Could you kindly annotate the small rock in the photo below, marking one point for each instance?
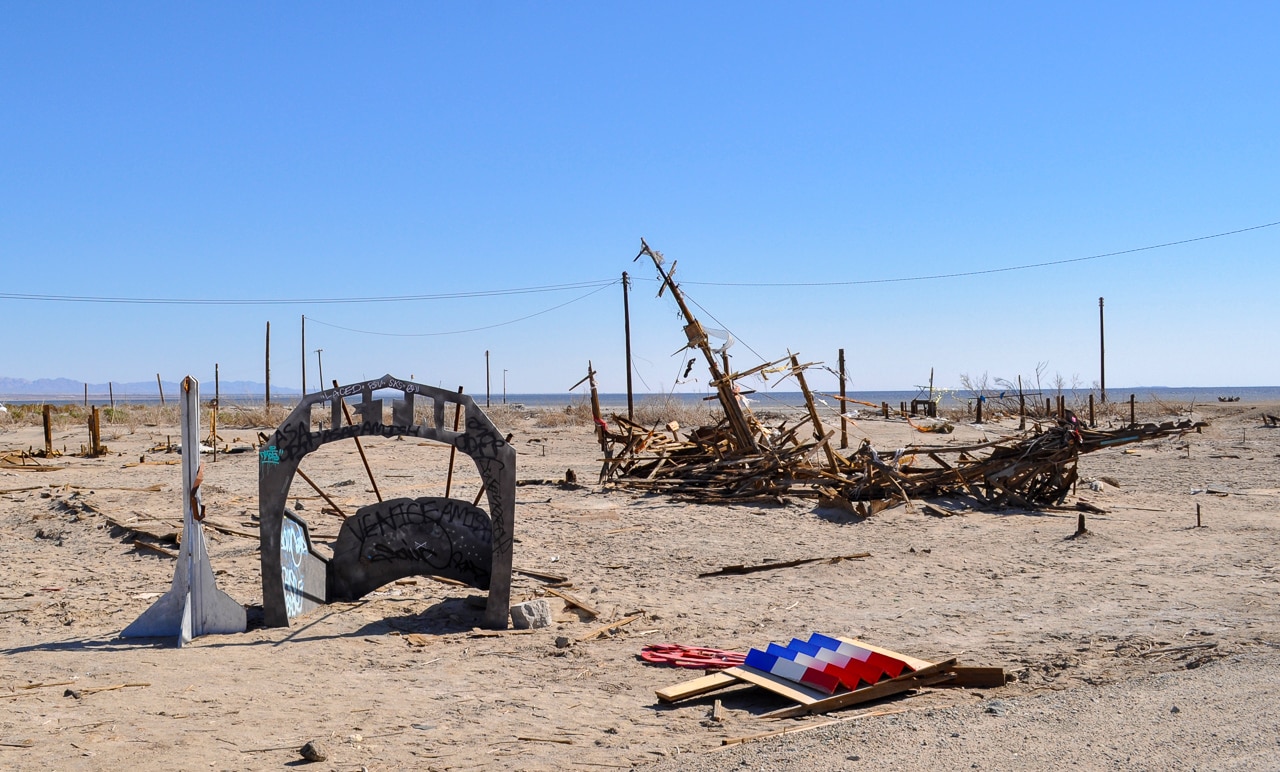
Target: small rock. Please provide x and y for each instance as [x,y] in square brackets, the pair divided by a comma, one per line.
[1174,709]
[996,707]
[313,751]
[562,642]
[531,614]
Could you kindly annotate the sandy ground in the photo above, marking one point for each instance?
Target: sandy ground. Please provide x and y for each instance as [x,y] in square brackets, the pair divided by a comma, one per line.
[1148,644]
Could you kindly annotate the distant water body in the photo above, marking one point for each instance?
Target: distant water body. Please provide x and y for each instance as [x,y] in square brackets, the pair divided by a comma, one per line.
[760,400]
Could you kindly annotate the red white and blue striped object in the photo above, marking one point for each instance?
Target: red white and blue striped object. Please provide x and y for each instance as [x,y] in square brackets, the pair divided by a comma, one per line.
[826,663]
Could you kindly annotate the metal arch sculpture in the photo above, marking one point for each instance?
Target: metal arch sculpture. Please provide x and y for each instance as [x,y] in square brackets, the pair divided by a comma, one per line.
[395,538]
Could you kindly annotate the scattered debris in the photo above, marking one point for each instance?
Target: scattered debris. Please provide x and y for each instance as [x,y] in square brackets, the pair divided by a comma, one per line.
[610,628]
[574,601]
[541,575]
[531,614]
[742,460]
[693,657]
[313,751]
[827,673]
[727,570]
[86,691]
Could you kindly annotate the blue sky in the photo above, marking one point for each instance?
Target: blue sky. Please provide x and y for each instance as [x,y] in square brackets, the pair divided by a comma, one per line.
[293,151]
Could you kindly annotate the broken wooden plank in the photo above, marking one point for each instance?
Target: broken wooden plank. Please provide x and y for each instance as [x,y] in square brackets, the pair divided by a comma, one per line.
[78,693]
[972,677]
[603,629]
[730,741]
[543,575]
[734,570]
[921,678]
[936,511]
[154,548]
[783,687]
[696,687]
[573,601]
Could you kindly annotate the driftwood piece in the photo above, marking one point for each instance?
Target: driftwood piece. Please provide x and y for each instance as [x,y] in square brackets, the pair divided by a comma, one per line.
[730,570]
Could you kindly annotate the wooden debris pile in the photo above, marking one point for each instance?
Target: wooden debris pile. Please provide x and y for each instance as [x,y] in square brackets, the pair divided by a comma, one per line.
[1033,471]
[742,460]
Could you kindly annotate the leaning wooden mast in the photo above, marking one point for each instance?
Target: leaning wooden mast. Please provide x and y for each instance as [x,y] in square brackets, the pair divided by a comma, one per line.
[698,339]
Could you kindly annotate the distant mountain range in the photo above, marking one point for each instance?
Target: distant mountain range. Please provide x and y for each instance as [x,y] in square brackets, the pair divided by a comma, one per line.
[65,387]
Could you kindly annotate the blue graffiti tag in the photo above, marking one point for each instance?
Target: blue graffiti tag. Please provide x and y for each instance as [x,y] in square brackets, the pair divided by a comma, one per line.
[270,455]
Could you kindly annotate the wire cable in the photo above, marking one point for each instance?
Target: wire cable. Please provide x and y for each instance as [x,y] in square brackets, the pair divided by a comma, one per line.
[598,283]
[472,329]
[982,272]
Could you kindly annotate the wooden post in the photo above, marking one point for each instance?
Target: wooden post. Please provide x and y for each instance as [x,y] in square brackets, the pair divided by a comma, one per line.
[486,377]
[304,357]
[844,426]
[268,366]
[453,449]
[111,395]
[626,328]
[902,408]
[1092,423]
[697,337]
[1198,516]
[1062,406]
[1102,354]
[95,436]
[819,433]
[213,428]
[1080,529]
[160,388]
[1022,406]
[1133,419]
[46,413]
[602,432]
[86,395]
[596,417]
[884,408]
[217,385]
[1048,407]
[980,401]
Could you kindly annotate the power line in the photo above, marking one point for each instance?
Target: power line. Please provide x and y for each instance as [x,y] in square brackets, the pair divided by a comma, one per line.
[980,272]
[473,329]
[598,283]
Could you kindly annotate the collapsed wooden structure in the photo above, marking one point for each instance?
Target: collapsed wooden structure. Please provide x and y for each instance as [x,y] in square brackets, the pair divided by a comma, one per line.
[741,459]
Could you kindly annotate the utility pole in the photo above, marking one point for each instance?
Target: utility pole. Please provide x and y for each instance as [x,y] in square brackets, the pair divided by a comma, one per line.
[504,385]
[1102,353]
[844,406]
[320,365]
[268,366]
[626,326]
[304,358]
[486,377]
